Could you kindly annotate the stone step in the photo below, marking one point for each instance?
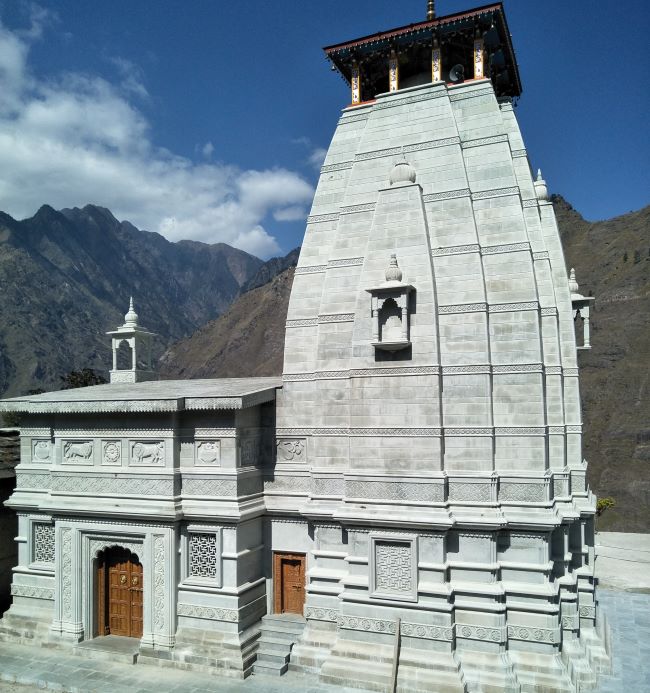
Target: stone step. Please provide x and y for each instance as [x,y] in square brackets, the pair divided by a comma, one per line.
[272,658]
[421,680]
[270,644]
[308,658]
[488,672]
[109,649]
[282,627]
[269,669]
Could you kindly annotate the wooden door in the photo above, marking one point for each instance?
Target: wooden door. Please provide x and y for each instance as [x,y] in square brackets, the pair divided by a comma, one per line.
[119,594]
[289,583]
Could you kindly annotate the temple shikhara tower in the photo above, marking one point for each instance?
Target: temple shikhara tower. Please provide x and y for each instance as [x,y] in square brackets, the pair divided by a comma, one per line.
[407,507]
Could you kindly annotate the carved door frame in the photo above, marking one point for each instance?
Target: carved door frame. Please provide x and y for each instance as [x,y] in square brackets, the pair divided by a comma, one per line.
[278,586]
[103,590]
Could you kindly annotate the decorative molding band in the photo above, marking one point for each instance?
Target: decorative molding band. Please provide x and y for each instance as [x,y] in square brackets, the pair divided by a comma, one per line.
[466,370]
[462,95]
[447,195]
[335,317]
[362,373]
[463,308]
[353,118]
[31,591]
[310,269]
[207,612]
[209,487]
[553,370]
[529,203]
[342,166]
[301,322]
[407,432]
[520,430]
[431,144]
[532,634]
[555,430]
[390,103]
[320,614]
[518,368]
[574,428]
[241,402]
[419,630]
[289,483]
[516,153]
[481,141]
[345,262]
[328,486]
[32,480]
[108,484]
[378,153]
[456,250]
[507,307]
[317,218]
[497,192]
[365,207]
[375,625]
[570,372]
[395,490]
[491,633]
[103,407]
[510,492]
[540,255]
[508,248]
[570,622]
[473,431]
[549,311]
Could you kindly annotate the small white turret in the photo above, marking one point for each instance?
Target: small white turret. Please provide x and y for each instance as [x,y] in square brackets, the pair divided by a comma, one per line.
[138,341]
[540,186]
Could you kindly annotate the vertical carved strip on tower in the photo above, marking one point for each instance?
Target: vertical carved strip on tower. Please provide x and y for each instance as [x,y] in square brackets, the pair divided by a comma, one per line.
[393,72]
[355,84]
[436,62]
[478,59]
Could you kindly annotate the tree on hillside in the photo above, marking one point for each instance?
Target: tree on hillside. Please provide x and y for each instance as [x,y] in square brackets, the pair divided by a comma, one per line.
[82,378]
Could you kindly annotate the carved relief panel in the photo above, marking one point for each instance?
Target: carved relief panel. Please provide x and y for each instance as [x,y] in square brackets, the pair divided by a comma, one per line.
[291,449]
[112,453]
[208,452]
[77,452]
[147,454]
[42,451]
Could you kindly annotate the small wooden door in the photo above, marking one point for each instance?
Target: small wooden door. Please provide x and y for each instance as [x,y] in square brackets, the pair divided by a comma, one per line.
[119,593]
[288,583]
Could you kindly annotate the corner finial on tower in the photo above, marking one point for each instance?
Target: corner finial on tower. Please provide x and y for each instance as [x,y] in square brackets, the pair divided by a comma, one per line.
[431,10]
[393,273]
[573,284]
[540,186]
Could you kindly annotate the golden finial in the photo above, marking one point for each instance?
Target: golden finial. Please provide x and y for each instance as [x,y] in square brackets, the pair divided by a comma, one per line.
[431,10]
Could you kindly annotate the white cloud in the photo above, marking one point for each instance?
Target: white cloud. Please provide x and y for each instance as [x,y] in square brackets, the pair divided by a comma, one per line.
[317,157]
[290,214]
[77,139]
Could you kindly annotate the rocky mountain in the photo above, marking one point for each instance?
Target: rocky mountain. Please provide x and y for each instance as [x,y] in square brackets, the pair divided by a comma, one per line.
[612,262]
[66,278]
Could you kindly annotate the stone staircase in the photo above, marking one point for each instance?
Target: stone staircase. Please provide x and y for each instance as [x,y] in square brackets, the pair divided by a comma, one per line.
[278,634]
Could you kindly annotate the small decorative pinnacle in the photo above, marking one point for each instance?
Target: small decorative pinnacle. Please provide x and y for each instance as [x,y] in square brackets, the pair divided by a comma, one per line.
[540,186]
[539,175]
[402,174]
[573,284]
[431,10]
[131,318]
[393,273]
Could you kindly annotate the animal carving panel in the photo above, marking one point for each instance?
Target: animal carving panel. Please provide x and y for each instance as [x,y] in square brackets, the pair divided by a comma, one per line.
[148,453]
[78,452]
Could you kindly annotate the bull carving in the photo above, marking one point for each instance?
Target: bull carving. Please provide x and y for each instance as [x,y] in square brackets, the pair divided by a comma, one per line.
[148,453]
[77,451]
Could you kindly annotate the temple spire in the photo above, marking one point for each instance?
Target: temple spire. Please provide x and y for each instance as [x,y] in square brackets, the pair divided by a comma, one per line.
[431,10]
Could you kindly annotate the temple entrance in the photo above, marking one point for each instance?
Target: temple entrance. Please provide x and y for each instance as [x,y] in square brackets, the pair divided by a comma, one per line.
[288,583]
[119,593]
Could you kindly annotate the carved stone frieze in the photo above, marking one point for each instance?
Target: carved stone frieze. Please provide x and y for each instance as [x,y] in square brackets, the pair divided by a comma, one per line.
[345,262]
[322,614]
[508,248]
[474,492]
[395,490]
[533,634]
[77,451]
[463,308]
[101,484]
[507,307]
[378,153]
[147,453]
[112,453]
[207,612]
[208,487]
[587,611]
[497,192]
[490,633]
[18,590]
[32,480]
[365,207]
[342,166]
[310,269]
[376,625]
[328,486]
[456,249]
[66,573]
[522,492]
[482,141]
[431,144]
[159,581]
[289,483]
[427,632]
[317,218]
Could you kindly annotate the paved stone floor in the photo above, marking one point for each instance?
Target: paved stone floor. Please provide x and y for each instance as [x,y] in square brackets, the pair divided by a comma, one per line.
[23,670]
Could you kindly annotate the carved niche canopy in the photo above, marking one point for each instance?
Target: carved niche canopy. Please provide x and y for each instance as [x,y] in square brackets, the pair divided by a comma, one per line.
[391,310]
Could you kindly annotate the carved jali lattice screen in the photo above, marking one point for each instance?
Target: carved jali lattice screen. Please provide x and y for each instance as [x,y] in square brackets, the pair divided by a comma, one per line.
[393,567]
[203,555]
[44,543]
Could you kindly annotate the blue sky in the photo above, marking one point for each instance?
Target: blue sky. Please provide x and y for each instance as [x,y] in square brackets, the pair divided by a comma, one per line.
[208,119]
